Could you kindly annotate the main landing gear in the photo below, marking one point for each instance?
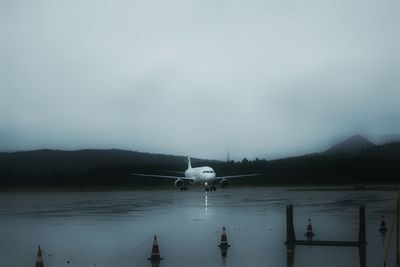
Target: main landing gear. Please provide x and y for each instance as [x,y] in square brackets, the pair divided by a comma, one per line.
[184,188]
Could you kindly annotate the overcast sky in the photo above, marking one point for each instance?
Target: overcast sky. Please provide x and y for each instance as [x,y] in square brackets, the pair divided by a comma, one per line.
[264,78]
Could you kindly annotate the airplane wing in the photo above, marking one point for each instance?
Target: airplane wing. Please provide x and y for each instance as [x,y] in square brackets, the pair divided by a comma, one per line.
[176,172]
[236,176]
[162,176]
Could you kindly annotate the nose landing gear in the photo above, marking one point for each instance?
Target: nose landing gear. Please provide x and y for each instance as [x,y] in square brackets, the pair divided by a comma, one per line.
[210,188]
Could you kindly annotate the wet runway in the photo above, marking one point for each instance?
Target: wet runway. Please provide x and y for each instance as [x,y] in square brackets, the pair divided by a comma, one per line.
[116,228]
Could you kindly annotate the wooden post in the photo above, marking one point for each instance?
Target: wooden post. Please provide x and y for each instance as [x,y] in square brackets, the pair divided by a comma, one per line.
[290,255]
[397,234]
[290,234]
[362,253]
[361,233]
[362,237]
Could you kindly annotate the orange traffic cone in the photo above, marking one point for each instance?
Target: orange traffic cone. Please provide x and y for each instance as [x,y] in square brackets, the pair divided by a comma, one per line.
[155,252]
[39,261]
[309,234]
[224,240]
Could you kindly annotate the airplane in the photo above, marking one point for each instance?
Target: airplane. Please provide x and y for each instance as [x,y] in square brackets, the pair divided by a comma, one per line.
[203,175]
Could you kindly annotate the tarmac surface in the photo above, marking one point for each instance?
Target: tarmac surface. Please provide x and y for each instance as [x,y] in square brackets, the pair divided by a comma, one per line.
[116,228]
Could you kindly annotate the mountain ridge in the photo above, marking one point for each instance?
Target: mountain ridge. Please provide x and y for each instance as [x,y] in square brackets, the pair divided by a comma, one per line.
[376,164]
[351,145]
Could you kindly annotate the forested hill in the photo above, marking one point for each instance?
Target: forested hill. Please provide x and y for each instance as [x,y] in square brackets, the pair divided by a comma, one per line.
[376,164]
[89,166]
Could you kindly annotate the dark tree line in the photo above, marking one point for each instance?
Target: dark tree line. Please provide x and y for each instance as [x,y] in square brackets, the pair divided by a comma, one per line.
[380,164]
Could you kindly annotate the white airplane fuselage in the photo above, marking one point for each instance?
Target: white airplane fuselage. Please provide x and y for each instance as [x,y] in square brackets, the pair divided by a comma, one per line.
[204,175]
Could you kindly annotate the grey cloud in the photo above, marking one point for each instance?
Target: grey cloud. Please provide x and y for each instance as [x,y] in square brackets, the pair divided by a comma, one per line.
[267,78]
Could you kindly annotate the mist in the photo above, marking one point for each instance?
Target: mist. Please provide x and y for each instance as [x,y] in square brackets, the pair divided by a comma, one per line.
[260,78]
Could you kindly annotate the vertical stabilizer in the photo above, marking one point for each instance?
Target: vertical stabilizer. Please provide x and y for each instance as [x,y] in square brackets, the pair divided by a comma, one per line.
[189,163]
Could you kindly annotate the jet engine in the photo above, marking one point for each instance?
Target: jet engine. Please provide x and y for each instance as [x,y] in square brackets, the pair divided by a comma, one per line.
[224,183]
[179,183]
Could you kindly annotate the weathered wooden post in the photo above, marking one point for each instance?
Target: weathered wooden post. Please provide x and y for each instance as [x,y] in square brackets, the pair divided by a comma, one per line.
[361,233]
[290,234]
[397,233]
[362,253]
[362,237]
[290,256]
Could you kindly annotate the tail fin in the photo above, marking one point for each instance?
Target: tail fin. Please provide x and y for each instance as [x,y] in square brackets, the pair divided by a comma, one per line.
[189,163]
